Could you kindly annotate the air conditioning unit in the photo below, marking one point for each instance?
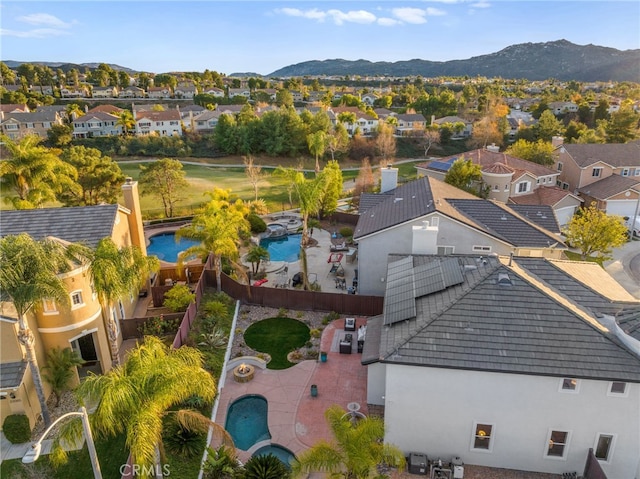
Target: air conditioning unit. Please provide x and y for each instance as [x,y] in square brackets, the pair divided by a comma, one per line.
[418,463]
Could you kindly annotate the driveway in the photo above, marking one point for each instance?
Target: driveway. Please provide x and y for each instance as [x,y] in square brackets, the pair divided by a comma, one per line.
[625,267]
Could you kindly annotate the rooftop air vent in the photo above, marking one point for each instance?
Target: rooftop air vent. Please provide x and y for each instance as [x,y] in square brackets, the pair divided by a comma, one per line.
[504,280]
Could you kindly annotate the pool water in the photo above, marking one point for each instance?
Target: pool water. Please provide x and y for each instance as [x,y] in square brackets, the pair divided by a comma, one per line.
[282,453]
[166,247]
[247,421]
[285,248]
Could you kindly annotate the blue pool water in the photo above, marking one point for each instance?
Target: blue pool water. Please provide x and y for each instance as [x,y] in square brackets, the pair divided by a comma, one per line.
[247,421]
[166,247]
[281,452]
[285,248]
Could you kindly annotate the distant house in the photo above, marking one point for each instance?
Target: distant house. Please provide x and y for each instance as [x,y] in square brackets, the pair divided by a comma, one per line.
[368,98]
[510,362]
[243,92]
[69,92]
[185,90]
[298,96]
[104,92]
[18,125]
[96,124]
[428,216]
[12,108]
[562,107]
[188,111]
[206,121]
[217,92]
[410,122]
[510,179]
[607,175]
[159,93]
[365,123]
[132,92]
[106,108]
[161,123]
[465,132]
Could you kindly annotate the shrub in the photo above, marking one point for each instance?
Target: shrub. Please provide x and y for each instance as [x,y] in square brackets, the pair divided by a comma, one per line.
[181,441]
[257,224]
[315,333]
[159,326]
[216,339]
[215,308]
[346,232]
[178,298]
[16,428]
[282,313]
[60,369]
[266,467]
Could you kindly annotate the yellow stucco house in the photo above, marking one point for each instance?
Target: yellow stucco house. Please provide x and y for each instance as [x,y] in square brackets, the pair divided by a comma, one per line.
[79,324]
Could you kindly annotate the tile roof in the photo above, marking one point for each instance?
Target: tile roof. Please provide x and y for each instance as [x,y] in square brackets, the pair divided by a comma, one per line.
[9,107]
[542,215]
[543,195]
[82,224]
[99,115]
[526,326]
[11,374]
[484,157]
[504,225]
[614,154]
[610,186]
[114,110]
[37,116]
[166,115]
[498,169]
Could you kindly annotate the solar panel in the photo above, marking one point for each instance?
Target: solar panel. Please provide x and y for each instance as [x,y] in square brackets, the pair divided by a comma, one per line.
[440,165]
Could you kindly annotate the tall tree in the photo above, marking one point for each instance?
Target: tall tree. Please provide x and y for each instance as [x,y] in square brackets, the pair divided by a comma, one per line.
[153,383]
[218,228]
[7,75]
[29,275]
[126,121]
[355,452]
[33,173]
[333,188]
[254,174]
[385,143]
[464,174]
[117,272]
[317,145]
[60,368]
[593,231]
[623,125]
[338,140]
[99,177]
[540,152]
[548,126]
[166,180]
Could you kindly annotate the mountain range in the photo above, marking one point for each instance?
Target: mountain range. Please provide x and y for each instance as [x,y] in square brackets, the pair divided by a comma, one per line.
[560,59]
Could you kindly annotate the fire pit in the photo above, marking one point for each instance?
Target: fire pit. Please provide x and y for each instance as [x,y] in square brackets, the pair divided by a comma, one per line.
[243,373]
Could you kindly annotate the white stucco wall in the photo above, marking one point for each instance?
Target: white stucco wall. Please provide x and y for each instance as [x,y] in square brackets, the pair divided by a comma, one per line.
[376,384]
[432,411]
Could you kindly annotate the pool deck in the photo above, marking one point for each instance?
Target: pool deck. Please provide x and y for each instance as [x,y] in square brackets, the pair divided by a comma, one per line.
[296,419]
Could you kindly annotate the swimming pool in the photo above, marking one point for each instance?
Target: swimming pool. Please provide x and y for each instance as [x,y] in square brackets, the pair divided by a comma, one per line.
[285,248]
[281,452]
[247,421]
[166,247]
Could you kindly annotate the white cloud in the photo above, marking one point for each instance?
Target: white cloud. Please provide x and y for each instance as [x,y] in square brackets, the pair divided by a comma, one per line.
[353,16]
[388,22]
[481,4]
[435,12]
[44,19]
[313,14]
[35,33]
[410,15]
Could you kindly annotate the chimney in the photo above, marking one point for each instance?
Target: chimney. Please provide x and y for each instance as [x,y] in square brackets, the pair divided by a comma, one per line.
[556,141]
[132,202]
[493,148]
[389,179]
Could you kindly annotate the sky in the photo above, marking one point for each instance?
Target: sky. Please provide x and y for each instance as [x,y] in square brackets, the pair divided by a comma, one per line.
[263,36]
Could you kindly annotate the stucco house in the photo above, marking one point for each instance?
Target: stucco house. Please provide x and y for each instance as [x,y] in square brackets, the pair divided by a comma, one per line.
[507,362]
[80,324]
[409,123]
[465,132]
[96,124]
[512,180]
[104,92]
[159,92]
[432,217]
[185,90]
[132,92]
[161,123]
[589,169]
[18,125]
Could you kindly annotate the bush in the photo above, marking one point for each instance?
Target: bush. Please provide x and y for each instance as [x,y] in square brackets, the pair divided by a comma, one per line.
[257,224]
[159,326]
[183,442]
[346,232]
[178,298]
[16,428]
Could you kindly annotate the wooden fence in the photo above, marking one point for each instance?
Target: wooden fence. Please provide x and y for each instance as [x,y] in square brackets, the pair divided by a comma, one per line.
[593,469]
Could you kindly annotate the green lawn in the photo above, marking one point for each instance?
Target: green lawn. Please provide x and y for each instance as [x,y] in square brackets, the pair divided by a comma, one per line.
[277,337]
[112,454]
[578,257]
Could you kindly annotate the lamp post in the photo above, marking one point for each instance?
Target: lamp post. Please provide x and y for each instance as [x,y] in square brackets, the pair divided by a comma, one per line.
[33,454]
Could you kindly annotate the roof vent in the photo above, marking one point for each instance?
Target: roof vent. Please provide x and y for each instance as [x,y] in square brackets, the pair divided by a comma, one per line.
[503,217]
[395,200]
[504,280]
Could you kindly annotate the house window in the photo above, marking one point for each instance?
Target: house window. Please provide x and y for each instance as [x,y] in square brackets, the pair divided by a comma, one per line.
[30,125]
[482,435]
[625,172]
[604,447]
[559,166]
[569,385]
[49,306]
[596,172]
[506,187]
[11,127]
[496,188]
[121,307]
[565,186]
[76,299]
[481,249]
[445,250]
[637,171]
[617,388]
[557,444]
[523,186]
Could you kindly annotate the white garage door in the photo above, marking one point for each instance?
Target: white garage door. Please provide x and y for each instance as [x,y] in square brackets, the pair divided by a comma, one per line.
[621,207]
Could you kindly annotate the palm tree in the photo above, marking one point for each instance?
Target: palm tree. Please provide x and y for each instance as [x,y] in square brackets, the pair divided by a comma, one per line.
[221,463]
[317,143]
[266,467]
[33,173]
[135,397]
[29,274]
[60,368]
[310,194]
[355,452]
[116,272]
[218,228]
[73,111]
[126,121]
[255,257]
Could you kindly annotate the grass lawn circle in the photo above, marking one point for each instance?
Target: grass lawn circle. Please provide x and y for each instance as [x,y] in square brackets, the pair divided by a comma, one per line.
[277,337]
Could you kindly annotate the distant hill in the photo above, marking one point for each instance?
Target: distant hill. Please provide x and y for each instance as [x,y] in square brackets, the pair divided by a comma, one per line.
[65,67]
[560,59]
[245,75]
